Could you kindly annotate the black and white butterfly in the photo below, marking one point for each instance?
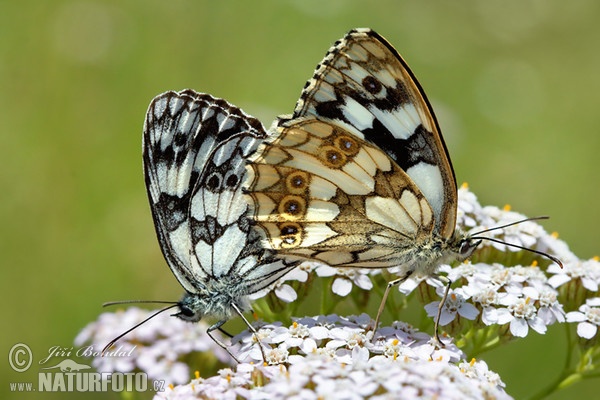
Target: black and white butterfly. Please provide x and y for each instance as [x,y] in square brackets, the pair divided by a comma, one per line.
[194,151]
[359,175]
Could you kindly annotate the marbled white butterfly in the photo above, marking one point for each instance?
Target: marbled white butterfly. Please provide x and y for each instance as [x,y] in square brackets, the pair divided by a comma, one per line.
[359,175]
[194,152]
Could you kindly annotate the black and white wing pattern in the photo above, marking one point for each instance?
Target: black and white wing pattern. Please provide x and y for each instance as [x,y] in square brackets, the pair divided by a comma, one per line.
[194,151]
[359,176]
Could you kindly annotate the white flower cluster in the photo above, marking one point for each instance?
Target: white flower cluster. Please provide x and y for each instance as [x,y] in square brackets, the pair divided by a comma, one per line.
[336,337]
[159,345]
[328,356]
[318,377]
[520,296]
[312,358]
[331,357]
[584,274]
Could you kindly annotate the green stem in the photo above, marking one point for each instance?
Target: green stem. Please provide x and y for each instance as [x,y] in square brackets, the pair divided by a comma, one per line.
[328,299]
[591,375]
[324,296]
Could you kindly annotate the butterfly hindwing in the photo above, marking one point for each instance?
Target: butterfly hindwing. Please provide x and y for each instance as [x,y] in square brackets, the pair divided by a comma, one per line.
[194,161]
[322,193]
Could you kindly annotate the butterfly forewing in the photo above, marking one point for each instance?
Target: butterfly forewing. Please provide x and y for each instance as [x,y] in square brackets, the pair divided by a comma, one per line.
[365,86]
[194,162]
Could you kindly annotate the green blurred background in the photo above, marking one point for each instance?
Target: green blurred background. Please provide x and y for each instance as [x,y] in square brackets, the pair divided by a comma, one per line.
[515,85]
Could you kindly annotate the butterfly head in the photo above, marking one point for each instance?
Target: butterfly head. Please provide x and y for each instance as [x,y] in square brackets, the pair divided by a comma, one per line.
[464,246]
[220,303]
[191,308]
[458,247]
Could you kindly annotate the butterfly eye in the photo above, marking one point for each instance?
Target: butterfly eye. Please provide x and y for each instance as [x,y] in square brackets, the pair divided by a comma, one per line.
[466,247]
[187,312]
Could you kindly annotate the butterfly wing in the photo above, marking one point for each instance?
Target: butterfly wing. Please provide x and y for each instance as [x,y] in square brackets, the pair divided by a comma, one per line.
[193,150]
[359,175]
[322,193]
[365,86]
[225,244]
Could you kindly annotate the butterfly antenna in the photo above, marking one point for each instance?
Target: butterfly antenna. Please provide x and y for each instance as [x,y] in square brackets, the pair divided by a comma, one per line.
[548,256]
[115,340]
[511,224]
[114,303]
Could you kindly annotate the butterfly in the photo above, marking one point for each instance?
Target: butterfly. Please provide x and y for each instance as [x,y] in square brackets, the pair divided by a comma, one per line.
[359,175]
[195,148]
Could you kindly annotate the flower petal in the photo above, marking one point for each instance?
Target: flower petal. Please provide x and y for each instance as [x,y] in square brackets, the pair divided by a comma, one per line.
[519,327]
[341,287]
[586,330]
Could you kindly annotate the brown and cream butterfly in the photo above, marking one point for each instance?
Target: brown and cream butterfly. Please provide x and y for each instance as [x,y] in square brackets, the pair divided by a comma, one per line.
[359,175]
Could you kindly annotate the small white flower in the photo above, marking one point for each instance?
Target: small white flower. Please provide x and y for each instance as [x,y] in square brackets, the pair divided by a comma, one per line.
[524,317]
[298,335]
[486,297]
[550,309]
[395,349]
[345,277]
[464,270]
[470,213]
[521,274]
[277,356]
[247,344]
[500,275]
[454,305]
[479,369]
[588,317]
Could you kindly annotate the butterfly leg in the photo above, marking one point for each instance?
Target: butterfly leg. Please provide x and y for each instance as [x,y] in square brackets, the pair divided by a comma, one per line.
[389,286]
[254,332]
[217,341]
[436,325]
[224,332]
